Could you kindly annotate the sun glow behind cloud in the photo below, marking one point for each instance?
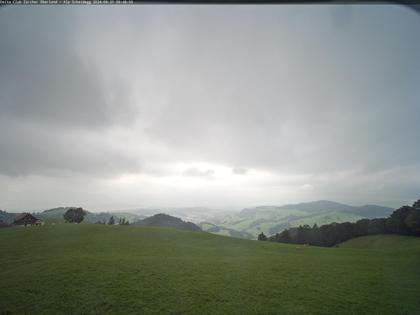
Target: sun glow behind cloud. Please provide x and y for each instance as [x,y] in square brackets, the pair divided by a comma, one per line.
[218,183]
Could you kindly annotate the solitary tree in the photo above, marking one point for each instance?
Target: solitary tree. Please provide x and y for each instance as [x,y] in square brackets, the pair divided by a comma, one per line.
[111,221]
[74,215]
[262,237]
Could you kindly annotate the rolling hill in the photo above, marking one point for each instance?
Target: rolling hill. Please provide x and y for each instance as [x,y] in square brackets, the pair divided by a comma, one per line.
[274,219]
[101,269]
[165,220]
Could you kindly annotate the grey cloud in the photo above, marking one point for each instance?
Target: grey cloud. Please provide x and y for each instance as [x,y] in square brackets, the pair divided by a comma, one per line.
[295,102]
[239,170]
[280,89]
[33,149]
[195,172]
[44,78]
[50,94]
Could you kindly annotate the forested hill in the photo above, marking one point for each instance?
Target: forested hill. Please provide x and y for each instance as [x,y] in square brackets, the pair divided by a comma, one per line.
[403,221]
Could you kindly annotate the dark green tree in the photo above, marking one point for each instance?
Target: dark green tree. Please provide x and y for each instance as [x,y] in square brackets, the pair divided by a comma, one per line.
[283,237]
[378,226]
[396,221]
[412,222]
[361,227]
[416,205]
[74,215]
[303,234]
[111,221]
[123,221]
[262,237]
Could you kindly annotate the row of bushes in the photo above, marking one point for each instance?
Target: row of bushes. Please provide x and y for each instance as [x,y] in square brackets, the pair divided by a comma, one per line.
[404,221]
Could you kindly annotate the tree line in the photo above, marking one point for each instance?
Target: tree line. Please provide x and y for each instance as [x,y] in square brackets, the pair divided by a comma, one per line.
[77,215]
[403,221]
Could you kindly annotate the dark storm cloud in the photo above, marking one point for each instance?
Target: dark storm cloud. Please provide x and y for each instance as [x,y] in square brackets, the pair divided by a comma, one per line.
[49,93]
[45,78]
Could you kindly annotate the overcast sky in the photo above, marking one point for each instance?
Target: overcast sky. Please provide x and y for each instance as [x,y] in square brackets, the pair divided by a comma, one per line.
[218,106]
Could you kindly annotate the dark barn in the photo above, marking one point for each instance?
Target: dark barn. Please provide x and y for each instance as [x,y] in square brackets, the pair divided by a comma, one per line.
[26,219]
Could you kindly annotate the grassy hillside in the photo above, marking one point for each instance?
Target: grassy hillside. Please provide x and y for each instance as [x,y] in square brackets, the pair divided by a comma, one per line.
[98,269]
[384,242]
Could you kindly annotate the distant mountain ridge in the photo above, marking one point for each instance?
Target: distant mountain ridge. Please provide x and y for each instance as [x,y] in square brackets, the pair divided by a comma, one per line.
[165,220]
[368,211]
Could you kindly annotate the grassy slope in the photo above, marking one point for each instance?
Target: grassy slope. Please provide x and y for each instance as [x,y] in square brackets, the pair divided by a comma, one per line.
[96,269]
[218,230]
[384,242]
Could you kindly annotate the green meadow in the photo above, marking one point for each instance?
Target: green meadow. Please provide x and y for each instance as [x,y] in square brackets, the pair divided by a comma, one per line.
[100,269]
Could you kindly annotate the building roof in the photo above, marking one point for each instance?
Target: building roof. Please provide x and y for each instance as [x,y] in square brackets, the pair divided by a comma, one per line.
[25,216]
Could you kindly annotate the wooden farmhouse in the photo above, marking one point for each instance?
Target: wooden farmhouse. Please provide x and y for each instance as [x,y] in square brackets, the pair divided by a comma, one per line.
[26,219]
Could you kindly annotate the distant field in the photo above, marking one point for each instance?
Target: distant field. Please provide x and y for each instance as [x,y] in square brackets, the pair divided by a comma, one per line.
[99,269]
